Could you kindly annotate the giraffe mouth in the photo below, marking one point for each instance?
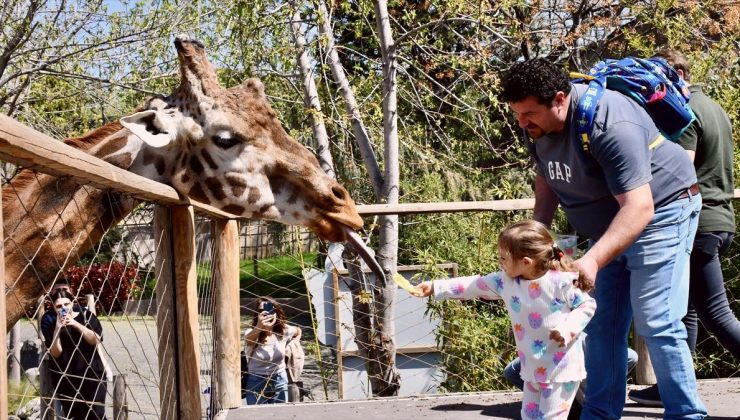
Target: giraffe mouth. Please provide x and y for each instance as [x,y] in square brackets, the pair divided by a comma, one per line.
[364,252]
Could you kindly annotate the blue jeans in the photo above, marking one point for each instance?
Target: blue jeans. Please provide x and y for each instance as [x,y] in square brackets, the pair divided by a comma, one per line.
[511,371]
[267,389]
[649,281]
[707,295]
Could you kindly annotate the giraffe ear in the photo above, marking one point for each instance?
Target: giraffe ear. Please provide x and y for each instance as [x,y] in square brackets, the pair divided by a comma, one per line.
[155,128]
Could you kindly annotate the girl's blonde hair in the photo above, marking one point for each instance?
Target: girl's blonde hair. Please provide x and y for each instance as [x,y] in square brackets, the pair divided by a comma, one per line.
[529,238]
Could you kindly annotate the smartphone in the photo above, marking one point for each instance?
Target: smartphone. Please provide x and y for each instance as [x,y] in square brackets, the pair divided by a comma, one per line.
[269,308]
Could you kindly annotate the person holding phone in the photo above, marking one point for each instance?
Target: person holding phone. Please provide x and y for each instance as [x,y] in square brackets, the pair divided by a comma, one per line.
[265,343]
[76,368]
[49,319]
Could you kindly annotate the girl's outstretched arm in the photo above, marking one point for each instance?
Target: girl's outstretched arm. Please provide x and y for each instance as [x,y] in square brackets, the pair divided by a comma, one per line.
[470,287]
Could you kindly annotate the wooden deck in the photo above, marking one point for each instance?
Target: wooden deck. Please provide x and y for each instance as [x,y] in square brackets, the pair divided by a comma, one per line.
[722,398]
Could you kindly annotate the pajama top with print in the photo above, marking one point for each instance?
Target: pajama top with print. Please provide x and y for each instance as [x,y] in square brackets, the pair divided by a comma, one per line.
[535,307]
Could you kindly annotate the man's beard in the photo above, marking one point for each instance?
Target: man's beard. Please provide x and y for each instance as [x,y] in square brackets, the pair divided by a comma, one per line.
[539,133]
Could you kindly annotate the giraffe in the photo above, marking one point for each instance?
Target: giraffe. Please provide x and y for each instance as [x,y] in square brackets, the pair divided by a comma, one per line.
[220,146]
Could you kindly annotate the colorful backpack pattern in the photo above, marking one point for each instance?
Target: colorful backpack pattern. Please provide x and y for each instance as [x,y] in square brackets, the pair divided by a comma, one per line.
[652,83]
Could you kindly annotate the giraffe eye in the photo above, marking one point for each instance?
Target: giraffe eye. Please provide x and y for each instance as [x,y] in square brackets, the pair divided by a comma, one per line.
[225,140]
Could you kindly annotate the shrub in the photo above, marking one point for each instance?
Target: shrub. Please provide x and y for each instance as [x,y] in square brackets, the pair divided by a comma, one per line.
[476,344]
[112,283]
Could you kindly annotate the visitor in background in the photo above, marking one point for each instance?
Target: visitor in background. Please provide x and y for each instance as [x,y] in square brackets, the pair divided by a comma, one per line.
[76,368]
[265,344]
[708,142]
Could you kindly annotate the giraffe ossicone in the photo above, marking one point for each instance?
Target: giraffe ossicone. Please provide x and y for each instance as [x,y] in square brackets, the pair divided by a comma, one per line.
[221,146]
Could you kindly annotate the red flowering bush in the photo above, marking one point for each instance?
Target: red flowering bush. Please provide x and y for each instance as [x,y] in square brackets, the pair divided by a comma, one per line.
[112,284]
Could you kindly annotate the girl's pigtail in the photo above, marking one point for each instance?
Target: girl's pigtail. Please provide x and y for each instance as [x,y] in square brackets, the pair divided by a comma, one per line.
[557,253]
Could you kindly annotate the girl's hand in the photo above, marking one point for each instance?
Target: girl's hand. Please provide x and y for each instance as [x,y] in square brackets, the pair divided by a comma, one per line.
[424,289]
[557,337]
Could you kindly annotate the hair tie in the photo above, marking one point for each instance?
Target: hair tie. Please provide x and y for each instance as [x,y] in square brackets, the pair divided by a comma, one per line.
[557,254]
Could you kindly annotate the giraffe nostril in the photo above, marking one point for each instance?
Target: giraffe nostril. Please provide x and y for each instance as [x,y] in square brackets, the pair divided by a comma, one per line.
[339,192]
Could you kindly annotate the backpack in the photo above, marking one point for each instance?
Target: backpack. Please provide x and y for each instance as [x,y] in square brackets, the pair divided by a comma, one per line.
[652,83]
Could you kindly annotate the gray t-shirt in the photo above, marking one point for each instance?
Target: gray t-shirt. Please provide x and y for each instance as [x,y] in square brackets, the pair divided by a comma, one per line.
[619,161]
[269,358]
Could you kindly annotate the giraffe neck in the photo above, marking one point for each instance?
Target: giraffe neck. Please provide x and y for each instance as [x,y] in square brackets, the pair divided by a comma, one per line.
[50,222]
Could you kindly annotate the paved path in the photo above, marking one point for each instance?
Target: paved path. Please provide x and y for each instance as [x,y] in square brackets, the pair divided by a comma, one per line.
[131,349]
[721,396]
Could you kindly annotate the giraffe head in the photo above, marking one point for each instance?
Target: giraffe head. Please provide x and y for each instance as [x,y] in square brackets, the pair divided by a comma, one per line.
[226,147]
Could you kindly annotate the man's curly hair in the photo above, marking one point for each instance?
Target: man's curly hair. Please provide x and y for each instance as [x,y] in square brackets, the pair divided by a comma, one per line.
[536,77]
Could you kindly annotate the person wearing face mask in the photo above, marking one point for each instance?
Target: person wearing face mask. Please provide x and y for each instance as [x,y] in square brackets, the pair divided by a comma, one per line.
[265,344]
[77,370]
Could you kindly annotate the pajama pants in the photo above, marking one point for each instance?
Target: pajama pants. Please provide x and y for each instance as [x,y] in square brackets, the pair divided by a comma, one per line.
[548,400]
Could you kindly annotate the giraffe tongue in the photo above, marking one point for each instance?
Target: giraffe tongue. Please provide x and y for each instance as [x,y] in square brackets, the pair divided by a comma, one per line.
[364,253]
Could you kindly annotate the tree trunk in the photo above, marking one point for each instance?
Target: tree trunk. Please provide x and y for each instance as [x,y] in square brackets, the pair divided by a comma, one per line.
[340,78]
[375,324]
[362,316]
[388,383]
[311,95]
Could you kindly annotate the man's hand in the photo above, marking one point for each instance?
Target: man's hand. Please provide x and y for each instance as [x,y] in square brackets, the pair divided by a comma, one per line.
[588,267]
[557,337]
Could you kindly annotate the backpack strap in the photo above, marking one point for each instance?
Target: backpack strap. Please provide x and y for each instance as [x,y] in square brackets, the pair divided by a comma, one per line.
[586,109]
[620,74]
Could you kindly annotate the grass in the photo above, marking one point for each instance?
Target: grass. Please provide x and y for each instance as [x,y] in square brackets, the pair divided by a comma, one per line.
[280,276]
[20,393]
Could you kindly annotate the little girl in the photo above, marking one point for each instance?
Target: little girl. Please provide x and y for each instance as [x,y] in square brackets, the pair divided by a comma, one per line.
[548,306]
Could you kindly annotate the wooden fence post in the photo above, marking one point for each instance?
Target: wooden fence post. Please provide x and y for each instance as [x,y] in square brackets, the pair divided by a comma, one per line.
[177,299]
[3,352]
[120,405]
[14,374]
[165,294]
[644,374]
[227,392]
[186,311]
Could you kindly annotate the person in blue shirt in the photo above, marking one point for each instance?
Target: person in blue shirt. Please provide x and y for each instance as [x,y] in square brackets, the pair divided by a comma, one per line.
[634,195]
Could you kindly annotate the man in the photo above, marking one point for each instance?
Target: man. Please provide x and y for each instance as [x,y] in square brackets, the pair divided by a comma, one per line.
[634,196]
[708,142]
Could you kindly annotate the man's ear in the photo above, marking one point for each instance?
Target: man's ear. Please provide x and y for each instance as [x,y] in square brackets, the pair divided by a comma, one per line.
[559,98]
[156,128]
